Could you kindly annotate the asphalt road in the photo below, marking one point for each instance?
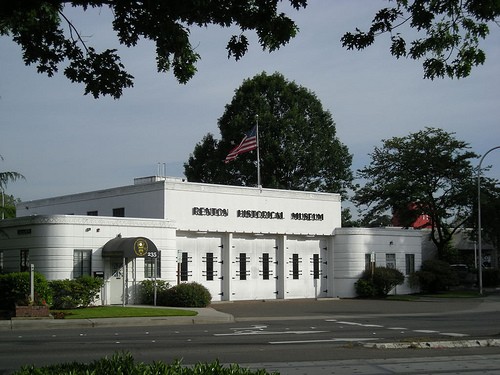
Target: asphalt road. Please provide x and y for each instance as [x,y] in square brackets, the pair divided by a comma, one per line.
[293,337]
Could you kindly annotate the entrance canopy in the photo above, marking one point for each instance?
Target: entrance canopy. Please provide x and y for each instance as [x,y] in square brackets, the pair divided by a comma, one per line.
[131,247]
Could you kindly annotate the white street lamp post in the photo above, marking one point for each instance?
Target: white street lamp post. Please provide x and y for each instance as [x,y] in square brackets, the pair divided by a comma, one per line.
[480,256]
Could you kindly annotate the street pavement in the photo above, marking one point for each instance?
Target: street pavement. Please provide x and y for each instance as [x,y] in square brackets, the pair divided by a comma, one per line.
[246,311]
[239,311]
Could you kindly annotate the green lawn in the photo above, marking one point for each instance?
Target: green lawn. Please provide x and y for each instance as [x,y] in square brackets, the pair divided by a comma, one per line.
[119,312]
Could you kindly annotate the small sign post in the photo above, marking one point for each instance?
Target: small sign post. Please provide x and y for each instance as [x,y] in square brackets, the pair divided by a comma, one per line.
[32,283]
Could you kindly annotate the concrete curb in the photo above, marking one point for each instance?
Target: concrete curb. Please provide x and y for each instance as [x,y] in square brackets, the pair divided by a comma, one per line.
[205,316]
[435,344]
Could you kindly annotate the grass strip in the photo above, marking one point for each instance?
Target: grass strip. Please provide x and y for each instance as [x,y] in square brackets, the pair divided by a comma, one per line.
[120,312]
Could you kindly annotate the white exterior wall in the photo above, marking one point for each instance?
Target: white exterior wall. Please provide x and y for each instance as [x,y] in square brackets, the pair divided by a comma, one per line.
[222,230]
[351,245]
[182,198]
[51,241]
[139,201]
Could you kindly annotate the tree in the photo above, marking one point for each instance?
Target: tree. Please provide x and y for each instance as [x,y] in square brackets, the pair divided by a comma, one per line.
[425,173]
[7,201]
[446,33]
[297,138]
[48,38]
[452,30]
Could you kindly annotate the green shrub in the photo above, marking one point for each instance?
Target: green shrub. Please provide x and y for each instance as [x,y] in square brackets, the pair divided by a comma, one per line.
[123,363]
[80,292]
[15,289]
[187,295]
[146,291]
[436,276]
[364,288]
[380,283]
[491,277]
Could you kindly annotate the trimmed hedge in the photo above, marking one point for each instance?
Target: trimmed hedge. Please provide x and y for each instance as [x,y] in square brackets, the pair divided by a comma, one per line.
[380,283]
[147,290]
[187,295]
[80,292]
[435,276]
[15,290]
[123,363]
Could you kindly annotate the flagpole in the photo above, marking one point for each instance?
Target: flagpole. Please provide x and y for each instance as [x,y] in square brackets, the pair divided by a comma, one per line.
[258,154]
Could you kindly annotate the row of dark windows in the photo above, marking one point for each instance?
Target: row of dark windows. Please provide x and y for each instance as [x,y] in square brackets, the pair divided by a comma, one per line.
[265,272]
[390,262]
[82,264]
[117,212]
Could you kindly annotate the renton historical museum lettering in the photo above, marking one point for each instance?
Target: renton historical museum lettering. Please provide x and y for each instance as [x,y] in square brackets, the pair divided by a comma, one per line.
[257,214]
[205,211]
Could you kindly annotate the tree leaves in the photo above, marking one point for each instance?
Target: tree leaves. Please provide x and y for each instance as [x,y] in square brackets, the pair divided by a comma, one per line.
[425,173]
[298,145]
[448,33]
[49,40]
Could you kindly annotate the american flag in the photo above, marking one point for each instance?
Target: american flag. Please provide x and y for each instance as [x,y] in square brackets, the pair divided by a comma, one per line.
[248,143]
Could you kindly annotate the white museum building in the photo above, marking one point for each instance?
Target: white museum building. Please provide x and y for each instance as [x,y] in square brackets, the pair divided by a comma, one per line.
[242,243]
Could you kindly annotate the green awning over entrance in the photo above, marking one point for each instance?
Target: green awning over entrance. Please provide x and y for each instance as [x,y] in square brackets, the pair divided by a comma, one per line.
[131,247]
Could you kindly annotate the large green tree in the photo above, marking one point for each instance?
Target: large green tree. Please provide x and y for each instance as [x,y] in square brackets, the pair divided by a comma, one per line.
[298,145]
[7,201]
[446,34]
[425,173]
[49,39]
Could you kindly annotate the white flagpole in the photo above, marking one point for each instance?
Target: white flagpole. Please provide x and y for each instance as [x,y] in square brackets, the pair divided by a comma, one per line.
[258,154]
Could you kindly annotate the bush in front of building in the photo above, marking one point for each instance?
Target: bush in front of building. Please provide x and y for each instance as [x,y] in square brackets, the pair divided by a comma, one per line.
[378,284]
[124,363]
[147,291]
[15,290]
[491,277]
[187,295]
[434,276]
[71,294]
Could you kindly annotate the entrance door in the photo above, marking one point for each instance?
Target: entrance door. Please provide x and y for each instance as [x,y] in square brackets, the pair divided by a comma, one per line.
[116,282]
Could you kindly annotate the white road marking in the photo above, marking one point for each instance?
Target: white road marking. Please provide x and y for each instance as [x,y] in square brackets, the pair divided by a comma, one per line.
[454,334]
[425,331]
[243,333]
[318,341]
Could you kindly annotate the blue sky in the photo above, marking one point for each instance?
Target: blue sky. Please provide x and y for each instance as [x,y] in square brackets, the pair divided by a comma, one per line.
[65,142]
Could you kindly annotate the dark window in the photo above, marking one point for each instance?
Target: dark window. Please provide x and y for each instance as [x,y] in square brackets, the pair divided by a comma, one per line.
[1,261]
[316,271]
[24,264]
[243,266]
[390,261]
[410,263]
[265,266]
[152,267]
[91,213]
[295,266]
[184,267]
[82,263]
[368,260]
[119,212]
[210,266]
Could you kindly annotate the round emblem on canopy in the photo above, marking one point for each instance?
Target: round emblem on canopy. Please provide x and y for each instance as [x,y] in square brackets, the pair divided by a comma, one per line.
[140,247]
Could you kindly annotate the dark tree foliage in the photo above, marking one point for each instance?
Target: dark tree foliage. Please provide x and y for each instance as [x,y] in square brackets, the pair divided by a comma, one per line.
[445,34]
[424,173]
[490,212]
[298,145]
[48,39]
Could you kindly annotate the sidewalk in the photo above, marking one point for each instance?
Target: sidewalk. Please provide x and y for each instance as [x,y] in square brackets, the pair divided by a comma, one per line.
[240,311]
